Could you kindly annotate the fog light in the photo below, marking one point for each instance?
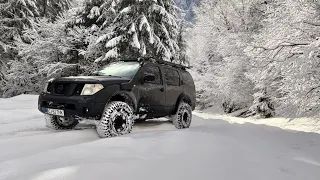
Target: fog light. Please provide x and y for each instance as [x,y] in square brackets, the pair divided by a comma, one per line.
[86,110]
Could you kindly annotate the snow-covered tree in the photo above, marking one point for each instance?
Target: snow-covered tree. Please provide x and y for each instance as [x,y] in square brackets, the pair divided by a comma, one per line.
[188,7]
[54,51]
[301,83]
[140,28]
[216,48]
[15,16]
[276,50]
[88,14]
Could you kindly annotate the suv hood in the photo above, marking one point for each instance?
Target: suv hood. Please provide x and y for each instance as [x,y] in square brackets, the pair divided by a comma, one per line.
[93,79]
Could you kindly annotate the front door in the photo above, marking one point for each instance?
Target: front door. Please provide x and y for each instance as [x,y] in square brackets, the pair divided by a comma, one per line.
[151,93]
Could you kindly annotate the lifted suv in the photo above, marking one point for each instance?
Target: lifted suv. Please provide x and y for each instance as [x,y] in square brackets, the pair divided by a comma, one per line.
[119,94]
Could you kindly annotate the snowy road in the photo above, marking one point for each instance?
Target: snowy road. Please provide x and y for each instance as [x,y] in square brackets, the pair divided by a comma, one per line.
[210,149]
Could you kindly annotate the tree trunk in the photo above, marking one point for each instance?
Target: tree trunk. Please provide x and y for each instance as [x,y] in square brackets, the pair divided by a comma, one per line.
[44,8]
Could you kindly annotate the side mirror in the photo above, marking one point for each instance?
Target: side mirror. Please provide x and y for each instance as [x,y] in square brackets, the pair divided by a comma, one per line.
[149,77]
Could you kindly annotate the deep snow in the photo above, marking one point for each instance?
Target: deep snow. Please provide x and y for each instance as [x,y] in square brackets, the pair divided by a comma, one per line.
[210,149]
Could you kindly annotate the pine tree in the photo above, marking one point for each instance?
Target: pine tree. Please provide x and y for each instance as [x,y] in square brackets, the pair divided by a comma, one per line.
[140,28]
[54,51]
[88,14]
[15,16]
[51,9]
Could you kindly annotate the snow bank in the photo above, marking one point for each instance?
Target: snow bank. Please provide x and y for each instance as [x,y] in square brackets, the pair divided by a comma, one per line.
[300,124]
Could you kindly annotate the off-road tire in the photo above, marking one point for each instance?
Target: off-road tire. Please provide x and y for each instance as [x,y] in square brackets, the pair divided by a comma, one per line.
[53,122]
[115,113]
[183,117]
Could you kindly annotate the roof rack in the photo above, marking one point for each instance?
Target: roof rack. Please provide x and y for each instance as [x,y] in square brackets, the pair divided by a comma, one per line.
[175,65]
[152,59]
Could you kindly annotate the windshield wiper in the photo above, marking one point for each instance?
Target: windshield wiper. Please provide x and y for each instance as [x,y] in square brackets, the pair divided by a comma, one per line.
[99,74]
[114,76]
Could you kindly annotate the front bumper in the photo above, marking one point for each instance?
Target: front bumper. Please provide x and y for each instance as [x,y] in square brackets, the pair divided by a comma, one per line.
[73,106]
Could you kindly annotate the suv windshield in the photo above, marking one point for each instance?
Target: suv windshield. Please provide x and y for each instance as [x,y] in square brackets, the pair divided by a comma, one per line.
[120,69]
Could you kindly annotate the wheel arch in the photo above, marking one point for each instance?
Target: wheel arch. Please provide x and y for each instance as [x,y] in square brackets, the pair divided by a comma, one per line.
[185,98]
[125,96]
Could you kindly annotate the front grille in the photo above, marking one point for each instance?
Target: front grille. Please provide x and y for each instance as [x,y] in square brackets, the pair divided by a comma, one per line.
[61,88]
[58,105]
[78,89]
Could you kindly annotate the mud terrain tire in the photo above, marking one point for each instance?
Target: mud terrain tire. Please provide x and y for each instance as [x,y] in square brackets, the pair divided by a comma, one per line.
[116,120]
[60,123]
[183,117]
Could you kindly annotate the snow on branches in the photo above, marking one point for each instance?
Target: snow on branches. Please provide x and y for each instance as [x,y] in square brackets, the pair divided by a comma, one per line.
[140,28]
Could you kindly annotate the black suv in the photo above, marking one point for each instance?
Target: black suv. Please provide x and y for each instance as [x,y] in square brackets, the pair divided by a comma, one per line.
[120,94]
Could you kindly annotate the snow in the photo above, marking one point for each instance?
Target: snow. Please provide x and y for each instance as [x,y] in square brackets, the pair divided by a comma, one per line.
[114,42]
[110,54]
[102,38]
[94,12]
[144,21]
[126,10]
[298,124]
[135,41]
[209,149]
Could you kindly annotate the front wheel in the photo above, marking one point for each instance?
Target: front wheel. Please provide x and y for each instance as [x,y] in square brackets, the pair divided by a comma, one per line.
[60,123]
[182,118]
[117,119]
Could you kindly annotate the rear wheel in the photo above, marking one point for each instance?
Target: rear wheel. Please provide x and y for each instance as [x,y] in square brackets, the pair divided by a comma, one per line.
[183,117]
[117,119]
[61,123]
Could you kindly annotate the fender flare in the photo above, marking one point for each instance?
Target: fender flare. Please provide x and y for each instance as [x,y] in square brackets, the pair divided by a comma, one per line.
[128,97]
[183,97]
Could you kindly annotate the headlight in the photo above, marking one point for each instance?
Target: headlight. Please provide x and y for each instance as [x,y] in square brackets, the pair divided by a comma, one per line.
[90,89]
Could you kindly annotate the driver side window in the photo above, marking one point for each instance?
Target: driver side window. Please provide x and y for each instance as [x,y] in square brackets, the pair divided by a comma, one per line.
[155,71]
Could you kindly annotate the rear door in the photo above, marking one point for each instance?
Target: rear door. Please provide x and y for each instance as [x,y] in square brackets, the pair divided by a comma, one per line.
[173,87]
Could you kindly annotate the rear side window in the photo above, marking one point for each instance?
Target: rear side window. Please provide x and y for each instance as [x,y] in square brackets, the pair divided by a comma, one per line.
[156,71]
[187,79]
[172,77]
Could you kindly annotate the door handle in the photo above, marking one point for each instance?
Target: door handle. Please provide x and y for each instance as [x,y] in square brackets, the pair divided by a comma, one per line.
[161,89]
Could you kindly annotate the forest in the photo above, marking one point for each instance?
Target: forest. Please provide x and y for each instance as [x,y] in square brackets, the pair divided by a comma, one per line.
[262,56]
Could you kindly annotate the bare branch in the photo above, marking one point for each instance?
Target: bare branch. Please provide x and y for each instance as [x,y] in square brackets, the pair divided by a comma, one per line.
[312,90]
[283,44]
[278,51]
[312,23]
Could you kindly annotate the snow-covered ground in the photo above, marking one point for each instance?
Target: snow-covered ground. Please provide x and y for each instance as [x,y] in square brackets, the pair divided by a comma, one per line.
[210,149]
[298,124]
